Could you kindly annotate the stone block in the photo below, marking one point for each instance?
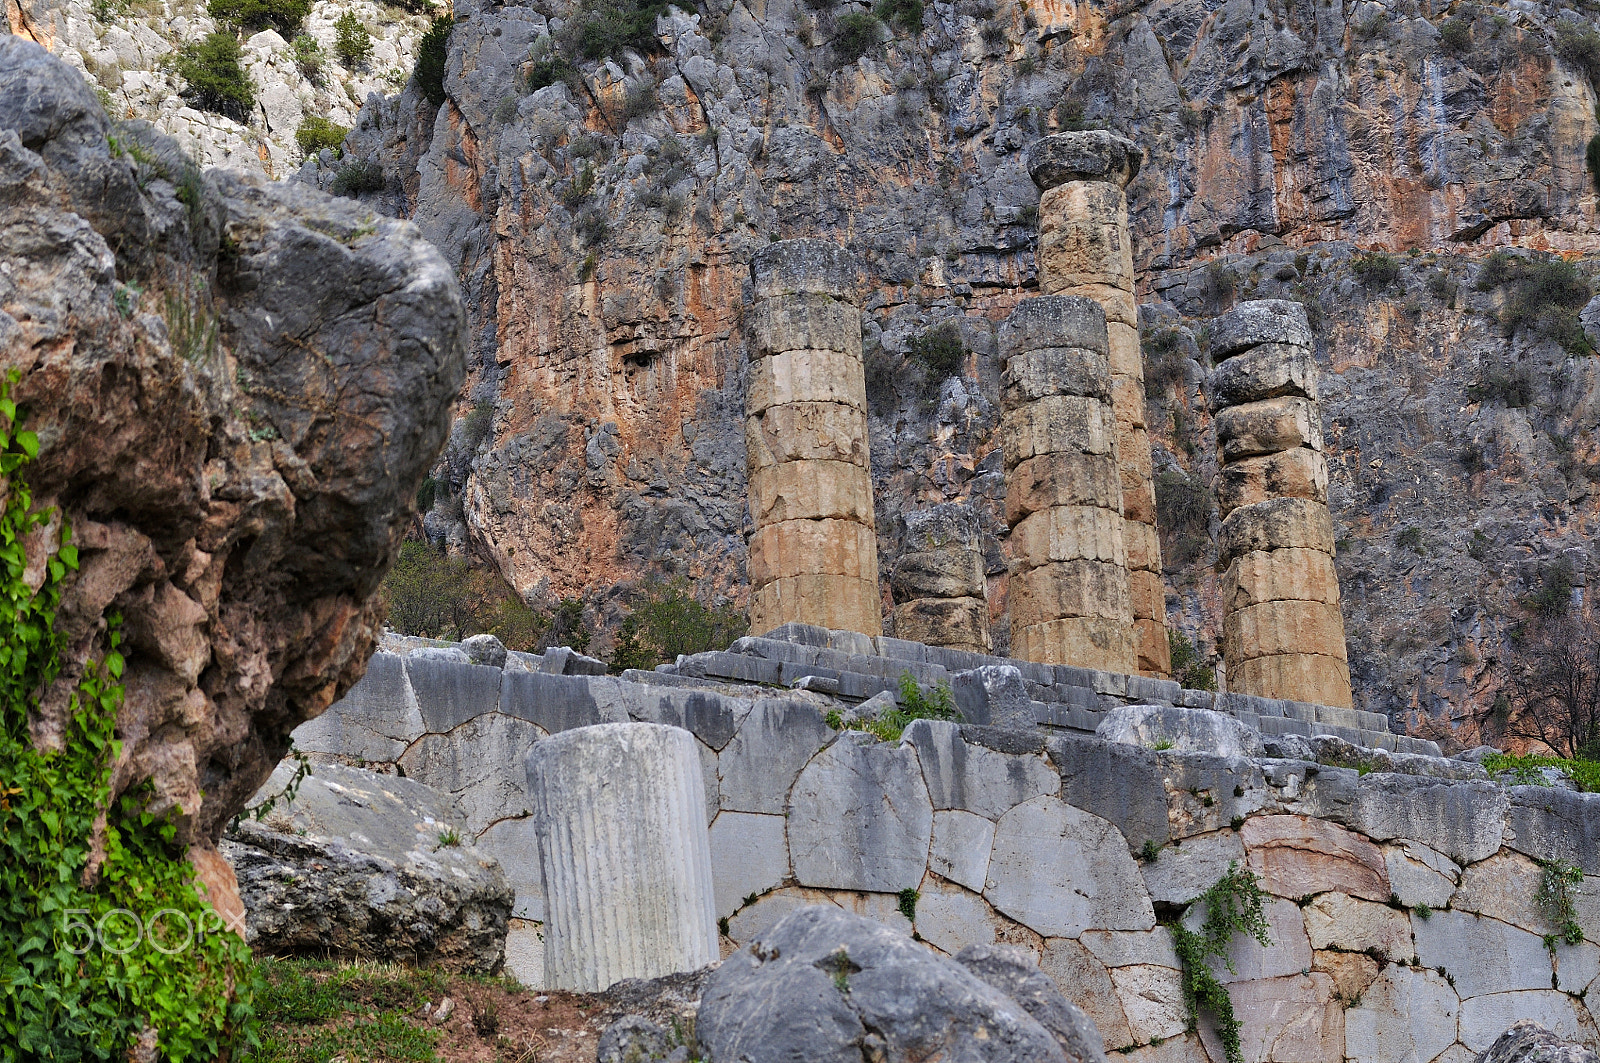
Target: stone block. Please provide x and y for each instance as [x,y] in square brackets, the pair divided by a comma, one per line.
[1082,155]
[743,667]
[807,431]
[1087,642]
[1419,875]
[525,953]
[1049,480]
[1179,875]
[1148,691]
[755,919]
[971,777]
[1504,887]
[954,660]
[1293,1018]
[1268,426]
[759,765]
[1294,523]
[1275,628]
[795,548]
[796,322]
[514,843]
[1259,321]
[1069,424]
[836,601]
[1263,372]
[1041,372]
[1085,981]
[1127,405]
[950,918]
[1059,871]
[1577,966]
[1262,576]
[1052,321]
[1288,951]
[993,695]
[1118,303]
[811,490]
[805,376]
[1129,948]
[1081,250]
[375,721]
[1554,824]
[749,854]
[1484,1019]
[951,572]
[859,817]
[900,649]
[1138,486]
[1335,921]
[476,763]
[1122,784]
[1144,548]
[1069,589]
[619,813]
[1152,1000]
[961,844]
[1076,202]
[962,623]
[1307,676]
[1183,730]
[1464,818]
[1298,855]
[1073,534]
[449,694]
[1481,955]
[791,267]
[1297,473]
[1126,354]
[1151,648]
[561,702]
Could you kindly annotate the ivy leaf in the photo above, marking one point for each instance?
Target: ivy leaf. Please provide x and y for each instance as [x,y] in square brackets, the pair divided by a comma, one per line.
[29,443]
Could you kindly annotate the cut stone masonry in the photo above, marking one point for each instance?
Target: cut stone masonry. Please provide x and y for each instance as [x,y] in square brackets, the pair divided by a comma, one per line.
[938,583]
[814,551]
[1085,249]
[1282,630]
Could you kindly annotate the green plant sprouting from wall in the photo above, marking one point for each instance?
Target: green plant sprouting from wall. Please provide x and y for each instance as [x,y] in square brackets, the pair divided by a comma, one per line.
[1557,888]
[1524,770]
[1233,905]
[102,932]
[936,703]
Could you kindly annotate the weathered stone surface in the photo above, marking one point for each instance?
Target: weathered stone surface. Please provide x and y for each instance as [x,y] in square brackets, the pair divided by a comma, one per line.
[1298,855]
[1352,972]
[1181,874]
[1048,480]
[772,744]
[1185,730]
[471,763]
[1259,321]
[514,843]
[1463,819]
[1577,966]
[950,918]
[1307,677]
[1084,642]
[1335,921]
[1055,590]
[840,602]
[993,695]
[810,490]
[1122,784]
[1016,974]
[961,845]
[1131,948]
[806,375]
[374,721]
[755,919]
[1068,424]
[362,865]
[807,431]
[1288,951]
[1556,824]
[1059,871]
[791,267]
[619,812]
[1483,1020]
[1275,575]
[794,548]
[1263,372]
[1267,427]
[1152,999]
[1083,155]
[859,817]
[449,694]
[1079,248]
[1053,321]
[1290,1018]
[1085,980]
[1044,371]
[968,776]
[1283,627]
[749,854]
[1299,473]
[1419,875]
[792,322]
[1070,533]
[1481,955]
[957,623]
[953,572]
[812,987]
[1503,887]
[1525,1041]
[1293,523]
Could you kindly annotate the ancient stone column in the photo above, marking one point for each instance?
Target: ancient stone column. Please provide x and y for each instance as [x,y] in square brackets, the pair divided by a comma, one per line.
[1084,249]
[814,551]
[1282,632]
[938,584]
[1067,593]
[620,817]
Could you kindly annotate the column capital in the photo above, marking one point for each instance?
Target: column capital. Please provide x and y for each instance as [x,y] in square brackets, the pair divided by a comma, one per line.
[1083,155]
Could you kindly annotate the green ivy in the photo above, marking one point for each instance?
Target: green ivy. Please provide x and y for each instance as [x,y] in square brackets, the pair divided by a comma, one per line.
[1556,889]
[1525,770]
[76,981]
[1233,905]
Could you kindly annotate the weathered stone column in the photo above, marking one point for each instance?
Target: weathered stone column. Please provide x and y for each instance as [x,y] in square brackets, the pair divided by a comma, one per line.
[620,816]
[939,588]
[1068,589]
[1282,632]
[1085,249]
[814,552]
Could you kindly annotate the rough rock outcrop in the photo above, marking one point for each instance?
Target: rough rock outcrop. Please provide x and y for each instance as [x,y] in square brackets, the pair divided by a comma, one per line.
[828,986]
[237,388]
[1528,1042]
[1282,630]
[938,582]
[368,867]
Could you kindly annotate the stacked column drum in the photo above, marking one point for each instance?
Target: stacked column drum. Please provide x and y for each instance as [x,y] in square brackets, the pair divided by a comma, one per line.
[1085,249]
[814,551]
[1282,631]
[1068,596]
[938,582]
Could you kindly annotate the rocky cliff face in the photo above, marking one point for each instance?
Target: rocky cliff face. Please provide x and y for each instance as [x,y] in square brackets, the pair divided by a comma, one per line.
[237,387]
[602,230]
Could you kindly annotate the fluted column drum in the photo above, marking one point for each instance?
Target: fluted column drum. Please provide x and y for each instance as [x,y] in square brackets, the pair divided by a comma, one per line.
[620,818]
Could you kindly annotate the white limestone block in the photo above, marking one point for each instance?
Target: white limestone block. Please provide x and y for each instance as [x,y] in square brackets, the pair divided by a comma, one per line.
[748,855]
[1406,1016]
[860,818]
[961,845]
[1481,955]
[1420,875]
[1182,872]
[1485,1018]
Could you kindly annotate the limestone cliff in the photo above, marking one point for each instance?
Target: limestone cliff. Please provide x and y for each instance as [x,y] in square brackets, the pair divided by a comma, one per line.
[603,228]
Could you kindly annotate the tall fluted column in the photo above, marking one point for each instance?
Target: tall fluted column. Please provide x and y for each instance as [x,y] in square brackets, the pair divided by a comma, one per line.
[1282,631]
[620,817]
[1068,589]
[1085,249]
[938,583]
[814,552]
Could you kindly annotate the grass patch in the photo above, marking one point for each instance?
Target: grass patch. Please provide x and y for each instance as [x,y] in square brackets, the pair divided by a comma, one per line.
[1524,769]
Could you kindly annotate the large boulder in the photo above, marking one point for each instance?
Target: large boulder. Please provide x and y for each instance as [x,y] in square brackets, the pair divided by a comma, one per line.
[238,387]
[1528,1042]
[368,867]
[826,986]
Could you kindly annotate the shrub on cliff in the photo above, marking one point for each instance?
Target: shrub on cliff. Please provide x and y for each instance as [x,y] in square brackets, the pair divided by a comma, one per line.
[316,133]
[1543,296]
[351,41]
[216,80]
[1550,684]
[432,52]
[855,35]
[939,350]
[601,29]
[1579,48]
[666,620]
[1376,270]
[285,16]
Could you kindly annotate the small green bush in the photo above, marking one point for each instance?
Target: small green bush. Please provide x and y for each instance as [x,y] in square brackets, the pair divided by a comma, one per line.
[1515,389]
[1410,539]
[351,41]
[1234,905]
[601,29]
[907,14]
[1553,596]
[1579,48]
[1591,157]
[666,620]
[855,35]
[358,177]
[1544,296]
[1376,270]
[1189,667]
[940,350]
[217,82]
[1456,34]
[316,133]
[432,53]
[285,16]
[308,57]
